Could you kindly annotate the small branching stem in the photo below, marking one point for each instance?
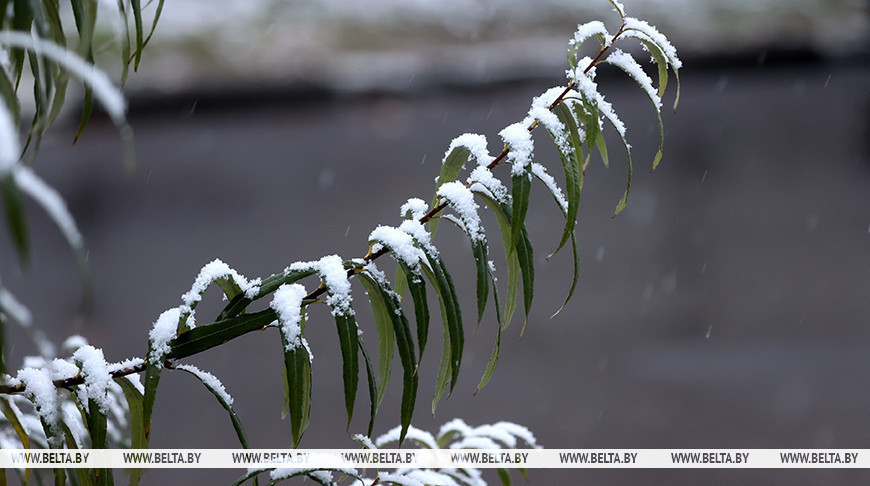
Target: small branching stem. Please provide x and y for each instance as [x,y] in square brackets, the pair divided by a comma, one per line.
[370,256]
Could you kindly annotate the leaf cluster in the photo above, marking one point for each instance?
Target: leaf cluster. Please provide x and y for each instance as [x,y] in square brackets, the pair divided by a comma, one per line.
[576,117]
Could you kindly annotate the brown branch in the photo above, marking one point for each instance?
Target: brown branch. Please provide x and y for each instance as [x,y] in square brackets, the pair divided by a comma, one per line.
[320,290]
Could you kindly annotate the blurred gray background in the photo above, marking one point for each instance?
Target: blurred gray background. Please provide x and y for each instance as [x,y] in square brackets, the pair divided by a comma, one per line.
[727,307]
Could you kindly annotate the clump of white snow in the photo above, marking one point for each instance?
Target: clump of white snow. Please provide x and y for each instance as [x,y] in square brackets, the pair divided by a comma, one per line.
[210,380]
[519,139]
[287,303]
[627,63]
[211,272]
[334,275]
[96,374]
[41,390]
[461,200]
[400,242]
[164,330]
[475,143]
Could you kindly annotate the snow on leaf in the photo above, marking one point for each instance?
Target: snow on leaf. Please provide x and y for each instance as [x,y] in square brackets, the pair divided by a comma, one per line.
[212,272]
[164,330]
[334,275]
[401,243]
[540,172]
[209,380]
[643,30]
[417,231]
[96,374]
[12,307]
[589,90]
[9,146]
[287,303]
[587,30]
[483,181]
[98,81]
[365,441]
[50,201]
[415,208]
[475,143]
[415,434]
[519,431]
[519,139]
[627,63]
[541,112]
[41,390]
[462,201]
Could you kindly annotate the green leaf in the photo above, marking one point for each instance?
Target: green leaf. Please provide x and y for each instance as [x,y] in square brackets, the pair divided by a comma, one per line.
[348,338]
[571,163]
[14,419]
[576,276]
[140,42]
[591,120]
[404,345]
[527,268]
[453,163]
[152,380]
[216,389]
[208,336]
[9,97]
[521,187]
[373,388]
[481,259]
[137,425]
[505,476]
[16,221]
[386,337]
[451,315]
[501,212]
[297,364]
[493,361]
[417,286]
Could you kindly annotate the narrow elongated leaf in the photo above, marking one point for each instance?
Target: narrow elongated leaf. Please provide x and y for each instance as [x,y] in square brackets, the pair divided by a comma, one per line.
[386,337]
[629,65]
[373,387]
[16,221]
[492,363]
[599,140]
[153,373]
[504,476]
[571,163]
[521,188]
[10,98]
[139,31]
[452,315]
[453,163]
[217,389]
[444,368]
[513,264]
[417,287]
[208,336]
[240,302]
[481,260]
[405,347]
[575,277]
[13,416]
[297,364]
[348,339]
[137,425]
[527,269]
